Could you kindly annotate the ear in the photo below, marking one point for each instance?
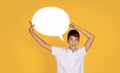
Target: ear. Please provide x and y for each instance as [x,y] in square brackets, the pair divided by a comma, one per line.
[78,40]
[68,40]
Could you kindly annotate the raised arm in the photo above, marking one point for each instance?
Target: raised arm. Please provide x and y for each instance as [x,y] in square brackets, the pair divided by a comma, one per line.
[86,33]
[38,39]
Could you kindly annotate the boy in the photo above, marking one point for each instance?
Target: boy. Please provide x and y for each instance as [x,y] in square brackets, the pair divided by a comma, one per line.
[69,60]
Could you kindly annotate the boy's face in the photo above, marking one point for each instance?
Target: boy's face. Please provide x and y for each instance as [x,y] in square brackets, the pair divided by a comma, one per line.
[73,42]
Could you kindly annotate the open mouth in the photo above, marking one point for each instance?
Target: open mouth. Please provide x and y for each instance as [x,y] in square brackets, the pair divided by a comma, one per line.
[73,45]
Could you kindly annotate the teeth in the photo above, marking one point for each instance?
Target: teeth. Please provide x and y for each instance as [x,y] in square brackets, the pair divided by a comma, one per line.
[73,45]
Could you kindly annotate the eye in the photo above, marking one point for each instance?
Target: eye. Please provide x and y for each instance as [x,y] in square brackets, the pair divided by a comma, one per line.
[71,39]
[76,39]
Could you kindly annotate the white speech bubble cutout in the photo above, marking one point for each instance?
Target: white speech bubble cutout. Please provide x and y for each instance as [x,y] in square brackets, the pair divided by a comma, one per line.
[51,21]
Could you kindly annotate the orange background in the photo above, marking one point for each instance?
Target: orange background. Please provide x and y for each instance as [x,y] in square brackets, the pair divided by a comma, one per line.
[20,53]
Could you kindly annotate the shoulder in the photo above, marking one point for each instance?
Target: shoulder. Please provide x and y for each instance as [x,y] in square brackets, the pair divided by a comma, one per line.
[57,50]
[82,50]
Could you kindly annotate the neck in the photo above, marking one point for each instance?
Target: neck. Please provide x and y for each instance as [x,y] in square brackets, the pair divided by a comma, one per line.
[73,49]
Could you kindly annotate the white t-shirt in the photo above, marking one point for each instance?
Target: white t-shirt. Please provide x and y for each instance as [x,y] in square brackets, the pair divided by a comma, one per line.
[68,61]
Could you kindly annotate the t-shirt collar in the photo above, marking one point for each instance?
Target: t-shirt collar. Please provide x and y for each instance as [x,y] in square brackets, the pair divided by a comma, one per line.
[70,51]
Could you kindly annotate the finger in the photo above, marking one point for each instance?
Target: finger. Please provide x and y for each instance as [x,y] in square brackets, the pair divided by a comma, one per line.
[70,25]
[33,25]
[30,23]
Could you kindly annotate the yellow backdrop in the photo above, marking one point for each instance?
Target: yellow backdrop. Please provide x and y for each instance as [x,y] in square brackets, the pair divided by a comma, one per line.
[20,53]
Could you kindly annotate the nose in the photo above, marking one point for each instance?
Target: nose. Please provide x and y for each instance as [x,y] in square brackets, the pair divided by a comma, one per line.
[74,42]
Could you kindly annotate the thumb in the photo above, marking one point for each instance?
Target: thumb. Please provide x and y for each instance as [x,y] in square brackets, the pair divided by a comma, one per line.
[30,23]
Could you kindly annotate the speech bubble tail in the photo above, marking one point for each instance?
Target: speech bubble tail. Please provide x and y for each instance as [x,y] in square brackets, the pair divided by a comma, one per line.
[61,38]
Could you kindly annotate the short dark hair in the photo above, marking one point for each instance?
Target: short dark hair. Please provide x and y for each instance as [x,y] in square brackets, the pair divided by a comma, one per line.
[73,33]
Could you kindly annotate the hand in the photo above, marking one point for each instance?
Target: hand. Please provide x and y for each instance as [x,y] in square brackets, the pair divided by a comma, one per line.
[74,26]
[31,26]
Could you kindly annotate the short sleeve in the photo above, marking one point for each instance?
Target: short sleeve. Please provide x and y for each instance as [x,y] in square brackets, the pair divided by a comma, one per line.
[56,50]
[82,51]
